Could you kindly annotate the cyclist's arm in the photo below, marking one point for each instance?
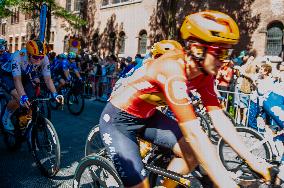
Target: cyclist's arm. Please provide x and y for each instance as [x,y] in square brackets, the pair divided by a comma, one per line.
[49,83]
[47,75]
[17,76]
[19,86]
[173,83]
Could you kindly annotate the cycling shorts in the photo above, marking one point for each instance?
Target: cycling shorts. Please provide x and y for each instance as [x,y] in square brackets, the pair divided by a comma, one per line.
[7,81]
[119,131]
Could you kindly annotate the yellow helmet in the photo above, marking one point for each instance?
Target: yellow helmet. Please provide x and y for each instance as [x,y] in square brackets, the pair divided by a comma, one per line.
[163,46]
[211,26]
[36,47]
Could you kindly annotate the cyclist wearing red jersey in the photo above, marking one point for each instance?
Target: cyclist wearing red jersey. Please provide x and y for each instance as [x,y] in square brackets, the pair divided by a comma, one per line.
[131,111]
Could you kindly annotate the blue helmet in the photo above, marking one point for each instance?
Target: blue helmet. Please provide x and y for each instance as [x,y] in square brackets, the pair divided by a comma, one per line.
[3,45]
[62,56]
[72,55]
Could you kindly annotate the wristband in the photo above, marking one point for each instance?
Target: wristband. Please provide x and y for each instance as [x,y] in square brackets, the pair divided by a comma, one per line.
[54,95]
[23,100]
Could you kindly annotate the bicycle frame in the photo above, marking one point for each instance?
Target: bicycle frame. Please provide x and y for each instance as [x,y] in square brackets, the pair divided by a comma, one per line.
[151,157]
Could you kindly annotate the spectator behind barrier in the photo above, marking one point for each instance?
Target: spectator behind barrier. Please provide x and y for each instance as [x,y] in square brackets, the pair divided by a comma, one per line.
[246,68]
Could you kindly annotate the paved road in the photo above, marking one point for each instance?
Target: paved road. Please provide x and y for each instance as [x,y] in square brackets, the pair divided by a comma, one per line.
[17,170]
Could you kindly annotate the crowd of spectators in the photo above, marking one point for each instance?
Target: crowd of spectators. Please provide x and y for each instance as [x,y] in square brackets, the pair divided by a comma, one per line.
[244,83]
[102,73]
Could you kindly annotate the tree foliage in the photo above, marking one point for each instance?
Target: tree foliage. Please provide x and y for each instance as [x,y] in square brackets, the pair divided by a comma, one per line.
[34,6]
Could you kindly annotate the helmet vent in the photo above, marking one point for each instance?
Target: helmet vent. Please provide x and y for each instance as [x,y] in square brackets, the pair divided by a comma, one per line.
[214,33]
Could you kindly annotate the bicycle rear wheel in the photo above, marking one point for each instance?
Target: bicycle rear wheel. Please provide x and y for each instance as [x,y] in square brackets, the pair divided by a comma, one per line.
[75,103]
[45,147]
[94,144]
[233,162]
[96,171]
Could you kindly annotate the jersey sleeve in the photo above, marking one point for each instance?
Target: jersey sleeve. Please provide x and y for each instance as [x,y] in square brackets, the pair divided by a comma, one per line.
[65,65]
[207,92]
[46,67]
[16,66]
[174,85]
[74,67]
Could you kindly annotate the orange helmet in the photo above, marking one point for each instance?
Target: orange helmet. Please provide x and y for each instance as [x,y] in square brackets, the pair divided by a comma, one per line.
[211,26]
[36,47]
[163,46]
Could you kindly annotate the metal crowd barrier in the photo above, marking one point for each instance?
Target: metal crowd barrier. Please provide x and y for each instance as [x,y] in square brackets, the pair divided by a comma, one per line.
[103,85]
[232,104]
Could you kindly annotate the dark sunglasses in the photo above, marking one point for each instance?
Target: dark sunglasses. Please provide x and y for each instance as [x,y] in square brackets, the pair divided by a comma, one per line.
[217,51]
[37,57]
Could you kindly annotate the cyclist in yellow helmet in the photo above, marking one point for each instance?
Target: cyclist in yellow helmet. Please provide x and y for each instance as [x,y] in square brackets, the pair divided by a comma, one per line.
[131,111]
[29,61]
[162,47]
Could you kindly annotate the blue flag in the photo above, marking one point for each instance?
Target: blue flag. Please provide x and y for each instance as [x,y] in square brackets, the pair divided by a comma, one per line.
[43,13]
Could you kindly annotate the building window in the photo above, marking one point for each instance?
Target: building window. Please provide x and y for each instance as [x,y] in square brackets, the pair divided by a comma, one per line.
[52,37]
[15,16]
[11,44]
[96,42]
[68,5]
[122,42]
[142,42]
[117,2]
[16,43]
[274,40]
[66,44]
[77,5]
[3,29]
[23,42]
[17,19]
[112,40]
[105,2]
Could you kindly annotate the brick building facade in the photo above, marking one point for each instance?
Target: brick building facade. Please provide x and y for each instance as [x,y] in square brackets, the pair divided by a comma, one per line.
[127,27]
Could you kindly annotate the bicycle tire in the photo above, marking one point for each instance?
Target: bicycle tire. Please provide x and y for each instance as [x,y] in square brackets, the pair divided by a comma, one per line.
[45,125]
[214,136]
[247,173]
[13,140]
[94,160]
[204,124]
[45,109]
[94,144]
[76,113]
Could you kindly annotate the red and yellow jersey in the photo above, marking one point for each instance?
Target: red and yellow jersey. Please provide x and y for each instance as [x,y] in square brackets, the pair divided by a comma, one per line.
[163,82]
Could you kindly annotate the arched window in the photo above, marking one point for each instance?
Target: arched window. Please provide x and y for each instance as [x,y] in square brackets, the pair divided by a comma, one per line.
[142,42]
[95,42]
[112,39]
[274,40]
[66,44]
[121,42]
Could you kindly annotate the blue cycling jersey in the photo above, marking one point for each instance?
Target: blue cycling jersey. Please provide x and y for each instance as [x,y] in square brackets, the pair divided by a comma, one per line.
[64,65]
[5,62]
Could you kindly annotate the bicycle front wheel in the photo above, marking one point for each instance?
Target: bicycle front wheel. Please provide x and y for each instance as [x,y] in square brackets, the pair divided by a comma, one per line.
[45,147]
[96,171]
[234,163]
[75,103]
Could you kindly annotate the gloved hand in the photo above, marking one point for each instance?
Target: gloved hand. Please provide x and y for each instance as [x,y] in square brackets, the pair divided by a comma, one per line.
[58,98]
[24,101]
